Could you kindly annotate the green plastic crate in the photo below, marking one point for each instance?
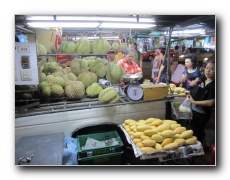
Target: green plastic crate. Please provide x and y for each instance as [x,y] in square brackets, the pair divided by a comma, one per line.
[81,140]
[107,159]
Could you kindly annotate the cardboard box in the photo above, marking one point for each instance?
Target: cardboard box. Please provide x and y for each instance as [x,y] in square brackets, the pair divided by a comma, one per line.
[154,92]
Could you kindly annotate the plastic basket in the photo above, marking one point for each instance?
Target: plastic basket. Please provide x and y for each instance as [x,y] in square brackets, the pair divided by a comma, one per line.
[107,159]
[81,139]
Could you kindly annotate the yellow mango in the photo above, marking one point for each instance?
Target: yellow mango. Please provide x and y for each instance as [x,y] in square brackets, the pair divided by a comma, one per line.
[149,132]
[186,134]
[171,146]
[127,121]
[148,142]
[142,137]
[179,130]
[191,140]
[123,124]
[149,120]
[172,85]
[132,127]
[157,137]
[132,123]
[140,123]
[174,126]
[166,141]
[137,140]
[130,132]
[143,127]
[158,146]
[137,134]
[163,127]
[147,149]
[167,133]
[157,122]
[179,141]
[127,129]
[167,121]
[176,136]
[139,144]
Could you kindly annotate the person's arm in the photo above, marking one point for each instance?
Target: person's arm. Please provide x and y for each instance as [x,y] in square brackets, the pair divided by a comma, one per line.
[159,73]
[158,64]
[194,82]
[210,102]
[137,69]
[182,80]
[141,61]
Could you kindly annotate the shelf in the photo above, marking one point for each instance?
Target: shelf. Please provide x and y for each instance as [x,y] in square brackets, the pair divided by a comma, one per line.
[74,54]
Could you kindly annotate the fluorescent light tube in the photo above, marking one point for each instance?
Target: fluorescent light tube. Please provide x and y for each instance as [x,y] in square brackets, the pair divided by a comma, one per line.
[192,31]
[126,25]
[63,24]
[146,20]
[96,18]
[115,37]
[39,18]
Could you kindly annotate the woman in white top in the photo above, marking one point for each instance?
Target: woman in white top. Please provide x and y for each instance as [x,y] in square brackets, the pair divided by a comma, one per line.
[156,64]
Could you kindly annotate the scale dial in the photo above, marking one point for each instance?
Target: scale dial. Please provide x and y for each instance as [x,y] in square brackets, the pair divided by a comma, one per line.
[134,92]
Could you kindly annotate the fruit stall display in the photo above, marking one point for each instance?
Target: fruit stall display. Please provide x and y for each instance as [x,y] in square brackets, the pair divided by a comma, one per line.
[79,77]
[154,134]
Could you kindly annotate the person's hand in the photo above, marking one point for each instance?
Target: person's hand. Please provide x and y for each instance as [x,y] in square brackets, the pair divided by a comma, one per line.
[197,80]
[191,100]
[180,85]
[157,80]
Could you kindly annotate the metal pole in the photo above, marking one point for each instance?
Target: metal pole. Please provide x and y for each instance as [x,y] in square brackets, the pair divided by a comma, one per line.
[167,55]
[168,98]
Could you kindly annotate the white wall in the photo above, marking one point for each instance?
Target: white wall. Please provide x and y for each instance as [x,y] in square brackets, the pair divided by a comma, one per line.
[68,121]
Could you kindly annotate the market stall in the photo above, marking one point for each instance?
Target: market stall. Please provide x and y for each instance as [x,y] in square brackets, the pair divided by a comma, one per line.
[68,83]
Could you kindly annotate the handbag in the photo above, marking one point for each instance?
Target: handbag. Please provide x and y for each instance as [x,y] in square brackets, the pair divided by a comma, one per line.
[198,93]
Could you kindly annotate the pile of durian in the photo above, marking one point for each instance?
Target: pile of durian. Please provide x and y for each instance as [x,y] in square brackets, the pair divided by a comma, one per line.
[80,79]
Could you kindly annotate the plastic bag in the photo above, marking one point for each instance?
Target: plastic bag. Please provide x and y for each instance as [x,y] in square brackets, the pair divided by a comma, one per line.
[185,106]
[70,152]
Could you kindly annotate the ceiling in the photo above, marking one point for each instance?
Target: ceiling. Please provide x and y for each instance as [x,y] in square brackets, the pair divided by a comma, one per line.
[163,22]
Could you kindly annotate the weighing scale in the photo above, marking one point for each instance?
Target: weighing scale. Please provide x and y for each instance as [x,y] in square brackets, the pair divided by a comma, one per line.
[132,89]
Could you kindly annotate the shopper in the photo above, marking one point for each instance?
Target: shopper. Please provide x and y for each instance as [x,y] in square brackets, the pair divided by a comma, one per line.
[127,62]
[156,65]
[151,58]
[183,48]
[162,74]
[191,72]
[137,58]
[189,50]
[202,109]
[175,59]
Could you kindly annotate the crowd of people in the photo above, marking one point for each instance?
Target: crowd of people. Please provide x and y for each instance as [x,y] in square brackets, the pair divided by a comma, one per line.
[192,79]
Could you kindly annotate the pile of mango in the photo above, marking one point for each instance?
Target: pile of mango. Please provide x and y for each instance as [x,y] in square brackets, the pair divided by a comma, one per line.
[155,134]
[179,91]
